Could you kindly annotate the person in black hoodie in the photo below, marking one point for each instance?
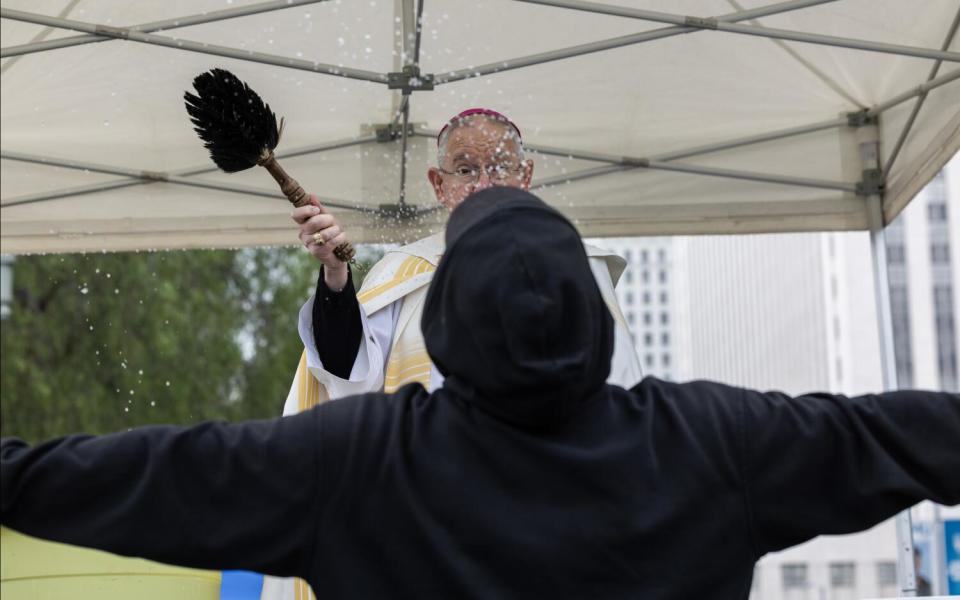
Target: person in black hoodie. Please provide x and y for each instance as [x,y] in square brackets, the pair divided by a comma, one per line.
[524,476]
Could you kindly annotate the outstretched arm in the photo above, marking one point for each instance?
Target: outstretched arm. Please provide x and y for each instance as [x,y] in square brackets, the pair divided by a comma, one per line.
[214,496]
[821,464]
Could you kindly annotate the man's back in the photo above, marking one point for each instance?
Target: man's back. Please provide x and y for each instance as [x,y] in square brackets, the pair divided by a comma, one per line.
[438,498]
[664,491]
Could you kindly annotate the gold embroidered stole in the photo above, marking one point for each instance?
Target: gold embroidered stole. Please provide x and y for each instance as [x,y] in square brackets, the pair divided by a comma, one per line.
[408,360]
[310,392]
[375,292]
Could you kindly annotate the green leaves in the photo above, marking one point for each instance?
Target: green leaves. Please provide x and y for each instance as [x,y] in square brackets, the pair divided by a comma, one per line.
[101,342]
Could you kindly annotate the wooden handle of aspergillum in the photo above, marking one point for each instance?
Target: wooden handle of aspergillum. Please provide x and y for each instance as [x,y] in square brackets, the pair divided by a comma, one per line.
[298,197]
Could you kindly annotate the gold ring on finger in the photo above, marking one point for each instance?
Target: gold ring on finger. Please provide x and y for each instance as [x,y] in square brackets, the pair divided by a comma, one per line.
[318,238]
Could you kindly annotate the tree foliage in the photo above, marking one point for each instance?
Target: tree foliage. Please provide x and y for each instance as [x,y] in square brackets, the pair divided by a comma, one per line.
[101,342]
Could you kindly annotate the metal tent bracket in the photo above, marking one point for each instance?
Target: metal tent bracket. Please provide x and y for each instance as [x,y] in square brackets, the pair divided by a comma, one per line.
[391,132]
[410,79]
[861,118]
[872,183]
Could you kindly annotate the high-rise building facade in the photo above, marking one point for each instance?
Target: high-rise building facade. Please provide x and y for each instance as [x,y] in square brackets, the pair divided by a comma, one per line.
[924,275]
[647,293]
[797,313]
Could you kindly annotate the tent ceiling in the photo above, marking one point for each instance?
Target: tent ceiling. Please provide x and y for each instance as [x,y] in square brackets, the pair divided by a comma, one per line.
[668,130]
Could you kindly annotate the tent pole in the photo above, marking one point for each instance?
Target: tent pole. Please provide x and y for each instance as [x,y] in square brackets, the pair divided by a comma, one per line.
[403,152]
[938,561]
[783,34]
[412,15]
[645,163]
[920,100]
[686,152]
[917,91]
[754,139]
[585,174]
[325,146]
[151,27]
[868,137]
[629,162]
[764,137]
[618,42]
[743,175]
[152,176]
[110,185]
[408,21]
[215,50]
[904,522]
[752,176]
[73,191]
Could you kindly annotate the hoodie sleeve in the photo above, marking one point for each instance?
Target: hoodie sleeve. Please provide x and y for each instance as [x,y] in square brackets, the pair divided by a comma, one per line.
[824,464]
[213,496]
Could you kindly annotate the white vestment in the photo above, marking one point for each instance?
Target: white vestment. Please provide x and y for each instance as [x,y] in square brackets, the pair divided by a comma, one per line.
[392,351]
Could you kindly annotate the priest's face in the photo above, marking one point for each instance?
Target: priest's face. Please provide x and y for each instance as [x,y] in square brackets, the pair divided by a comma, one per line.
[478,154]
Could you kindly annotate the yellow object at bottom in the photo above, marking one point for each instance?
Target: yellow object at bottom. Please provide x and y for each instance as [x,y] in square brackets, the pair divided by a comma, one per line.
[32,569]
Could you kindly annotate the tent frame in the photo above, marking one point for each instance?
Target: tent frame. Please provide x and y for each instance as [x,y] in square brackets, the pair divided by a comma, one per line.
[409,79]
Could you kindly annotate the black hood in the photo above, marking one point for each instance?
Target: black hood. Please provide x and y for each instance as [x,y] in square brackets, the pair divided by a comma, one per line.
[514,319]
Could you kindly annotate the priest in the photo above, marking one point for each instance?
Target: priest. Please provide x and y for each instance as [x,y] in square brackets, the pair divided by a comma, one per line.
[372,340]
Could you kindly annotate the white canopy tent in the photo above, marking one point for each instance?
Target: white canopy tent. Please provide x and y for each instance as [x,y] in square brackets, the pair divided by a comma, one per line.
[641,127]
[742,117]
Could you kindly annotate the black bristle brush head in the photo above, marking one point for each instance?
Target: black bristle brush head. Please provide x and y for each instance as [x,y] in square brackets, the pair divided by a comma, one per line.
[236,126]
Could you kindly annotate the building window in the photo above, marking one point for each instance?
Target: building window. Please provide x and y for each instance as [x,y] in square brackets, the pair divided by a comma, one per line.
[663,297]
[896,254]
[794,576]
[647,339]
[665,360]
[629,256]
[946,345]
[629,298]
[937,190]
[662,255]
[903,349]
[630,318]
[663,276]
[628,276]
[646,297]
[842,575]
[665,339]
[644,256]
[648,359]
[940,253]
[664,318]
[646,318]
[645,276]
[886,574]
[937,212]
